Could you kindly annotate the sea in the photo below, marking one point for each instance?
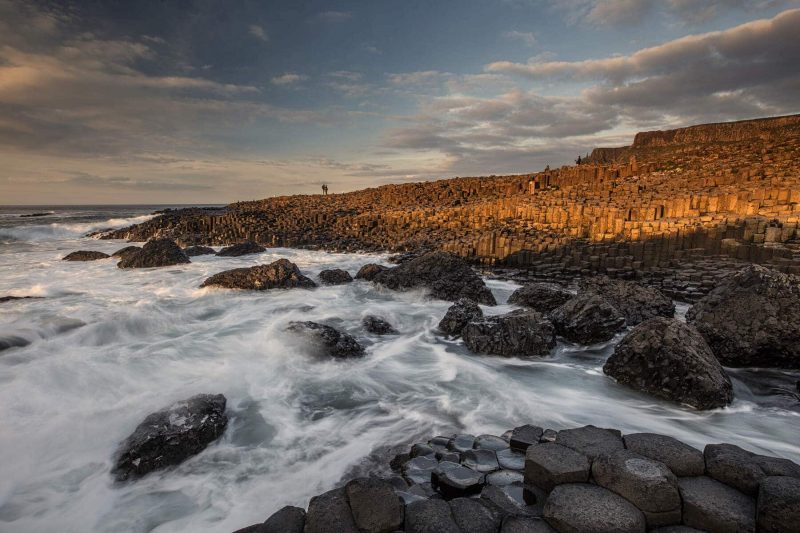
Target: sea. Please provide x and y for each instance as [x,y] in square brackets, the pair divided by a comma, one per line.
[99,348]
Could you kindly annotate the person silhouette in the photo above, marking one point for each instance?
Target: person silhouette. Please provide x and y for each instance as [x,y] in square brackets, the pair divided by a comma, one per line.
[324,188]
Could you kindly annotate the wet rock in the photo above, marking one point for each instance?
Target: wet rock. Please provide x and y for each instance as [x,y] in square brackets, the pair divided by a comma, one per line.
[636,302]
[456,481]
[519,333]
[501,478]
[12,341]
[587,318]
[374,505]
[543,297]
[778,507]
[733,466]
[681,458]
[514,498]
[419,469]
[459,315]
[588,508]
[490,442]
[418,450]
[676,529]
[525,524]
[398,461]
[282,274]
[473,517]
[715,507]
[85,255]
[429,516]
[335,276]
[548,435]
[327,340]
[368,272]
[124,252]
[171,436]
[510,459]
[330,512]
[155,253]
[242,248]
[447,276]
[670,359]
[480,460]
[751,318]
[524,436]
[377,325]
[287,520]
[461,443]
[193,251]
[551,464]
[591,441]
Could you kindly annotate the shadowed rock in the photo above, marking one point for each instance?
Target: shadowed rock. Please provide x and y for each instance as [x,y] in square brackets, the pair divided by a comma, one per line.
[155,253]
[548,465]
[459,315]
[543,297]
[587,318]
[455,481]
[124,252]
[778,506]
[712,506]
[287,520]
[588,508]
[681,458]
[330,512]
[374,505]
[327,340]
[377,325]
[429,516]
[473,517]
[242,248]
[282,274]
[519,333]
[591,441]
[525,436]
[636,302]
[335,276]
[85,255]
[369,271]
[193,251]
[733,466]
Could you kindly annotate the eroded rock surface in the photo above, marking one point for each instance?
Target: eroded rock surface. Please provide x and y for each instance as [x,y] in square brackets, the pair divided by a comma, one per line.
[543,297]
[335,276]
[587,318]
[242,248]
[327,340]
[155,253]
[459,315]
[85,255]
[519,333]
[281,274]
[635,301]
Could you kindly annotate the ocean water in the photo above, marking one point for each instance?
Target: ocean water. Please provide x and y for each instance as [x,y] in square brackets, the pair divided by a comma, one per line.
[109,346]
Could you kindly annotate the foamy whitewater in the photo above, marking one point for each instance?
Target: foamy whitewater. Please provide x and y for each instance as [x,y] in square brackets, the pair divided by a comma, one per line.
[109,346]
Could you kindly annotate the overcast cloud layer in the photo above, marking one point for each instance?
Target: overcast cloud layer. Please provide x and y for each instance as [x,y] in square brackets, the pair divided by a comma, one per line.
[211,101]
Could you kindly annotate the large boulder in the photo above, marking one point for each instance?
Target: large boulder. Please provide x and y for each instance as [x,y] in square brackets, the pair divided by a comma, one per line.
[709,505]
[85,255]
[584,508]
[242,248]
[193,251]
[587,318]
[374,505]
[155,253]
[670,359]
[778,507]
[369,271]
[170,436]
[679,457]
[282,274]
[734,466]
[447,276]
[543,297]
[591,441]
[335,276]
[472,516]
[377,325]
[125,251]
[549,465]
[635,301]
[327,340]
[330,512]
[519,333]
[752,318]
[459,315]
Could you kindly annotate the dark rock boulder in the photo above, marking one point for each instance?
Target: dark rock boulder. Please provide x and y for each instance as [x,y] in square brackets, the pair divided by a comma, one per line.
[335,276]
[549,465]
[635,301]
[4,299]
[709,505]
[374,505]
[482,461]
[282,274]
[670,359]
[330,512]
[459,315]
[525,524]
[751,319]
[778,507]
[447,276]
[85,255]
[327,340]
[377,325]
[369,271]
[585,508]
[543,297]
[733,466]
[124,252]
[170,436]
[587,318]
[193,251]
[428,516]
[523,437]
[242,248]
[591,441]
[679,457]
[155,253]
[519,333]
[456,481]
[287,520]
[473,517]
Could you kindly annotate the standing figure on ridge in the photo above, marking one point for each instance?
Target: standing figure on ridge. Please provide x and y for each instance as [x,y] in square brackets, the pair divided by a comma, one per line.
[325,188]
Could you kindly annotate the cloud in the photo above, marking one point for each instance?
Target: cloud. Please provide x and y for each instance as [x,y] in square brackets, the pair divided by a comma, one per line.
[525,37]
[334,16]
[290,78]
[258,32]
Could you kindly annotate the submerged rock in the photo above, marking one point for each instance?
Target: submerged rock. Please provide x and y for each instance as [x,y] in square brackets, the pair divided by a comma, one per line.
[281,274]
[242,248]
[335,276]
[328,340]
[193,251]
[752,318]
[377,325]
[369,271]
[171,436]
[155,253]
[459,315]
[670,359]
[518,333]
[543,297]
[446,275]
[587,318]
[85,255]
[635,301]
[124,252]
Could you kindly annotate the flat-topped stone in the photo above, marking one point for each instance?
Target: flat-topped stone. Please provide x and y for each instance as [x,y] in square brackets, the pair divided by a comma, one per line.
[330,512]
[480,460]
[778,506]
[461,443]
[733,466]
[429,516]
[715,507]
[581,507]
[456,481]
[471,516]
[525,524]
[551,464]
[679,457]
[590,440]
[518,333]
[511,459]
[374,505]
[524,436]
[490,442]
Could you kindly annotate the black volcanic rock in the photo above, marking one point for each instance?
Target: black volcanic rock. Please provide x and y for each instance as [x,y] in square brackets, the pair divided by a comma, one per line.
[171,436]
[4,299]
[447,276]
[375,506]
[377,325]
[124,252]
[543,297]
[670,359]
[242,248]
[335,276]
[752,318]
[287,520]
[329,341]
[459,315]
[637,302]
[581,507]
[193,251]
[369,271]
[281,274]
[587,318]
[519,333]
[85,255]
[155,253]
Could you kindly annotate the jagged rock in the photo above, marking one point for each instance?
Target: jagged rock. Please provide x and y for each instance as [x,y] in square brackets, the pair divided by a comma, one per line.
[681,458]
[85,255]
[778,507]
[374,505]
[733,466]
[751,319]
[369,271]
[124,252]
[519,333]
[587,508]
[670,359]
[543,297]
[330,512]
[287,520]
[525,524]
[715,507]
[447,276]
[155,253]
[242,248]
[193,251]
[428,516]
[524,436]
[459,315]
[455,481]
[591,441]
[327,340]
[587,318]
[377,325]
[171,436]
[335,276]
[282,274]
[636,302]
[548,465]
[473,517]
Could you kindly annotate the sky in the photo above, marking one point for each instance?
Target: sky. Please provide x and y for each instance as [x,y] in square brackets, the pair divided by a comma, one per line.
[214,101]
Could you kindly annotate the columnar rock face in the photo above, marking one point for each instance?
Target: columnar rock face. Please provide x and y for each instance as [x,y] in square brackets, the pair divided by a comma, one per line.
[519,333]
[155,253]
[282,274]
[670,359]
[752,319]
